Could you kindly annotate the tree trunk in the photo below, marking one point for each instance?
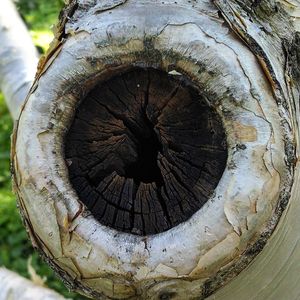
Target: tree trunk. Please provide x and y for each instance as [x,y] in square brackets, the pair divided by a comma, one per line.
[18,61]
[13,286]
[156,154]
[18,58]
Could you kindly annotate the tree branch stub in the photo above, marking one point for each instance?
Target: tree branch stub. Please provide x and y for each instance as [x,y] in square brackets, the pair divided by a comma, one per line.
[97,109]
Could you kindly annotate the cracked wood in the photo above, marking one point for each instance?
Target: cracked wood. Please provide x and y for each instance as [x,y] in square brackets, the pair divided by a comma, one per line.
[145,151]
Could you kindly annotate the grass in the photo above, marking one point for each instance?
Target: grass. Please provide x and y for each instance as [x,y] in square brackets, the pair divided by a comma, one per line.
[15,248]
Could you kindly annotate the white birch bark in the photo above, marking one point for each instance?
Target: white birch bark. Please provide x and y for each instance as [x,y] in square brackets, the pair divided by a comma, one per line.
[15,287]
[18,62]
[244,55]
[18,58]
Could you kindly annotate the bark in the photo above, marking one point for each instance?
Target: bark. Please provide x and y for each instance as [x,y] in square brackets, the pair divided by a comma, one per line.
[13,286]
[109,227]
[18,61]
[18,58]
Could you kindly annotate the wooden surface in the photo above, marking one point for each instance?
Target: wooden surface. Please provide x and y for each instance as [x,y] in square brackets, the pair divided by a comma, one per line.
[145,151]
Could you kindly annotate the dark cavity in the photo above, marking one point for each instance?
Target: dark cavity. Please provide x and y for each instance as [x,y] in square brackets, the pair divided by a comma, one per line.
[145,151]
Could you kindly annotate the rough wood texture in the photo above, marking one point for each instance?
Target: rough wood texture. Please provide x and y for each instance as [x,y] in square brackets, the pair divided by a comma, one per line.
[274,274]
[145,151]
[243,58]
[13,286]
[18,58]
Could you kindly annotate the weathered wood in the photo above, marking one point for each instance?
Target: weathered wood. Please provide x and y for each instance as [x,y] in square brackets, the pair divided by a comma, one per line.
[18,61]
[274,273]
[139,147]
[241,57]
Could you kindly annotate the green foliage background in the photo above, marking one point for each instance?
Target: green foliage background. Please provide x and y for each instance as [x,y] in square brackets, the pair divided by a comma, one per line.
[15,249]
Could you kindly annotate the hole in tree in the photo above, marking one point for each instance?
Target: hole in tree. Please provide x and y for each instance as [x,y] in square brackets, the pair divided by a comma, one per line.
[145,151]
[146,169]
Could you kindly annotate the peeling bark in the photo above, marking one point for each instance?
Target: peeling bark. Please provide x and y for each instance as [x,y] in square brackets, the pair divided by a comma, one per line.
[242,58]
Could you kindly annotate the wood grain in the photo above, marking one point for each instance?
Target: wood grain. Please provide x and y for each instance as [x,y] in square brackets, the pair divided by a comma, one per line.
[145,151]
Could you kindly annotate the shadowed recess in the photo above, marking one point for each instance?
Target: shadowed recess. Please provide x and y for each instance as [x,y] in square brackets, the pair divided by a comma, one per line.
[145,151]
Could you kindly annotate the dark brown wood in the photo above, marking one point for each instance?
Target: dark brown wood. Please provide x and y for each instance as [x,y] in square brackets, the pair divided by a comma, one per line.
[145,151]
